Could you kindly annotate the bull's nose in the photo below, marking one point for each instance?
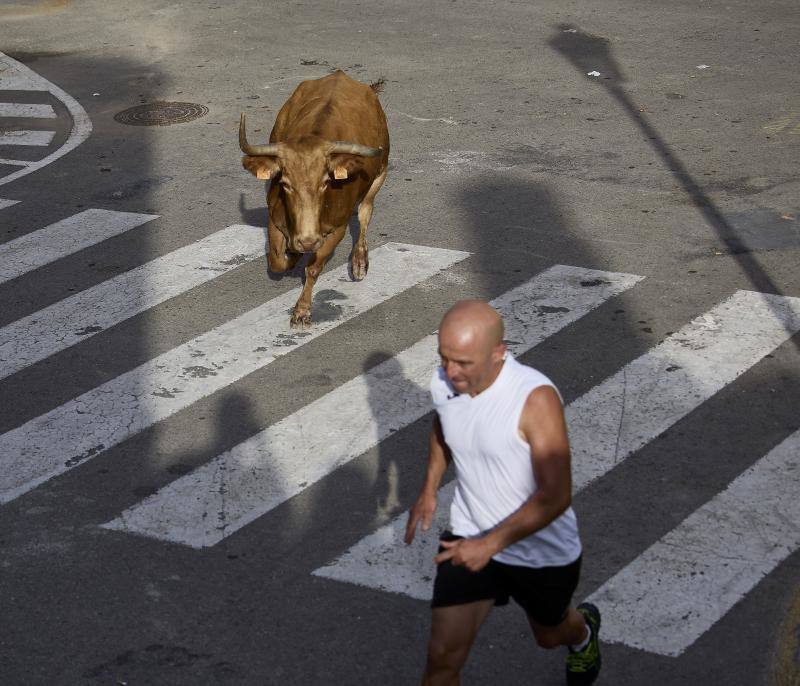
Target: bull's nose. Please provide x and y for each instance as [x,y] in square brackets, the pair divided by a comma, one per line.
[310,245]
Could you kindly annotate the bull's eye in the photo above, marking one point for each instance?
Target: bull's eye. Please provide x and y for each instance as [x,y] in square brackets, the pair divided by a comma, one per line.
[324,184]
[286,186]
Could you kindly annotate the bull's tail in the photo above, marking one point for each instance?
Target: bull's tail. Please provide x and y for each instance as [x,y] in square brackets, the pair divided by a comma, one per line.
[377,87]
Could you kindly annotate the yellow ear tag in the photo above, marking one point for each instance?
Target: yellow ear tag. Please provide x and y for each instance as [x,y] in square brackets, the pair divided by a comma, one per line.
[263,174]
[340,173]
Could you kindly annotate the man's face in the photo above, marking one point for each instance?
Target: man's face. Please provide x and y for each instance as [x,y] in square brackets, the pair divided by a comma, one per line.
[468,360]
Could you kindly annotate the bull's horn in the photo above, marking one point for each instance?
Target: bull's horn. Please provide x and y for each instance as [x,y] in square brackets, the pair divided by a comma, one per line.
[247,149]
[340,147]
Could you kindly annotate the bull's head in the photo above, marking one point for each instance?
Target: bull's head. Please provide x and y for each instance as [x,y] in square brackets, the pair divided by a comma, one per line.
[304,170]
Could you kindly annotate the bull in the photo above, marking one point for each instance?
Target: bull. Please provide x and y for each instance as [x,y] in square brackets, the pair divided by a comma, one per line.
[328,152]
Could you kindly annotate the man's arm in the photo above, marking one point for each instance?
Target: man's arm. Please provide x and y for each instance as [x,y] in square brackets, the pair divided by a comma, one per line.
[543,426]
[438,459]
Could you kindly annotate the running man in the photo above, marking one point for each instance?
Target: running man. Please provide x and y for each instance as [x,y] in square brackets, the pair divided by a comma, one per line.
[512,530]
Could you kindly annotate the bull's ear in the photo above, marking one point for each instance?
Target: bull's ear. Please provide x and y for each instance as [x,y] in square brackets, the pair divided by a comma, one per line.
[261,166]
[342,165]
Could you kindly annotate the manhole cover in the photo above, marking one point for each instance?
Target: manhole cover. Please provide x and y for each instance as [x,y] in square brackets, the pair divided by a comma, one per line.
[161,113]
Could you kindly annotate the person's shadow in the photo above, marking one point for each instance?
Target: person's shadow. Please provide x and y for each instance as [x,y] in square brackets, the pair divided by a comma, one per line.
[386,382]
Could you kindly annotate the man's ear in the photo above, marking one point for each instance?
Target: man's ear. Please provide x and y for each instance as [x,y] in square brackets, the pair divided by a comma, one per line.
[499,352]
[343,166]
[261,166]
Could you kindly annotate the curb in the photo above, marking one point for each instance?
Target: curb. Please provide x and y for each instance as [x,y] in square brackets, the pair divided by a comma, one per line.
[786,666]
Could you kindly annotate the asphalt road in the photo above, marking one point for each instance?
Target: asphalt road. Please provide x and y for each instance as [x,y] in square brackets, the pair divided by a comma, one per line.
[676,163]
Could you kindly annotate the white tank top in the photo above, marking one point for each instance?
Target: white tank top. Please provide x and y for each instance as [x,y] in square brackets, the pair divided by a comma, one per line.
[493,465]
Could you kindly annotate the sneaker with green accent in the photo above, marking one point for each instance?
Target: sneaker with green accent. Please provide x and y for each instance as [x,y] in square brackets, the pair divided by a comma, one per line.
[584,666]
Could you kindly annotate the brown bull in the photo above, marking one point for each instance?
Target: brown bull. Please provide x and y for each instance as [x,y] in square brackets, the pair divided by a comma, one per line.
[328,151]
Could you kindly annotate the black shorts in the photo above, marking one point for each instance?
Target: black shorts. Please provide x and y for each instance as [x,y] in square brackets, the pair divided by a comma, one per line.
[543,592]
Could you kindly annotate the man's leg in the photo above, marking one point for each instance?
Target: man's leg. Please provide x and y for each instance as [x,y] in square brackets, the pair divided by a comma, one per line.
[572,631]
[453,630]
[579,631]
[546,594]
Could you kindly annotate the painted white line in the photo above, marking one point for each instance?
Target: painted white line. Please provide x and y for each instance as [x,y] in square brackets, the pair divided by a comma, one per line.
[16,76]
[63,238]
[629,409]
[7,203]
[84,314]
[41,138]
[65,437]
[607,424]
[237,487]
[680,587]
[19,109]
[384,562]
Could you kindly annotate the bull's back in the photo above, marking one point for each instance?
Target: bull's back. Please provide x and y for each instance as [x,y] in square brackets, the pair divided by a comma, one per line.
[335,108]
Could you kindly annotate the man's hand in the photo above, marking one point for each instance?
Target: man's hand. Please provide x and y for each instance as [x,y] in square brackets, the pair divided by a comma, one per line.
[423,509]
[472,553]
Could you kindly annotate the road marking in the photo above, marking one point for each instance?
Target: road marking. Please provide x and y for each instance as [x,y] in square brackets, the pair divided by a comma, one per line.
[629,409]
[242,484]
[7,203]
[84,314]
[40,138]
[680,587]
[82,428]
[607,424]
[63,238]
[33,110]
[16,76]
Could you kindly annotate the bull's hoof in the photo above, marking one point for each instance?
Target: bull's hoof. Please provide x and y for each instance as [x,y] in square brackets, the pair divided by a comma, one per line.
[301,319]
[359,266]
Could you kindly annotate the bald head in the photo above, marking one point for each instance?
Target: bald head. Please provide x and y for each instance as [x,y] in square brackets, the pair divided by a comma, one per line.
[471,345]
[473,321]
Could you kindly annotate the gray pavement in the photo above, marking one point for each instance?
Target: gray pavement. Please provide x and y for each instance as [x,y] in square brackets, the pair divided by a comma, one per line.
[677,163]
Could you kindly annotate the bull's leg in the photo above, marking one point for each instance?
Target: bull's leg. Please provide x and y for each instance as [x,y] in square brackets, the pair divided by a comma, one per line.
[278,258]
[301,316]
[359,262]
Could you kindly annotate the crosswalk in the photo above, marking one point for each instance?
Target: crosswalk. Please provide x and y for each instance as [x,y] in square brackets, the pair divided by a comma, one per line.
[38,248]
[678,588]
[662,602]
[607,425]
[65,323]
[279,462]
[72,433]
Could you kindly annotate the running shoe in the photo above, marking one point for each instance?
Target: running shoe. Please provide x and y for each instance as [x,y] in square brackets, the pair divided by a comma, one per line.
[583,666]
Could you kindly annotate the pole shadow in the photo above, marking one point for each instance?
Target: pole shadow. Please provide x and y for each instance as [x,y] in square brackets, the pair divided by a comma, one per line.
[589,54]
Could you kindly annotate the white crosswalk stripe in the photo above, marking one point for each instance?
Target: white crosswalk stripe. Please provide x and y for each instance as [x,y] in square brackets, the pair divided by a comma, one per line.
[7,203]
[24,137]
[84,314]
[202,508]
[61,439]
[607,425]
[680,587]
[31,110]
[647,396]
[63,238]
